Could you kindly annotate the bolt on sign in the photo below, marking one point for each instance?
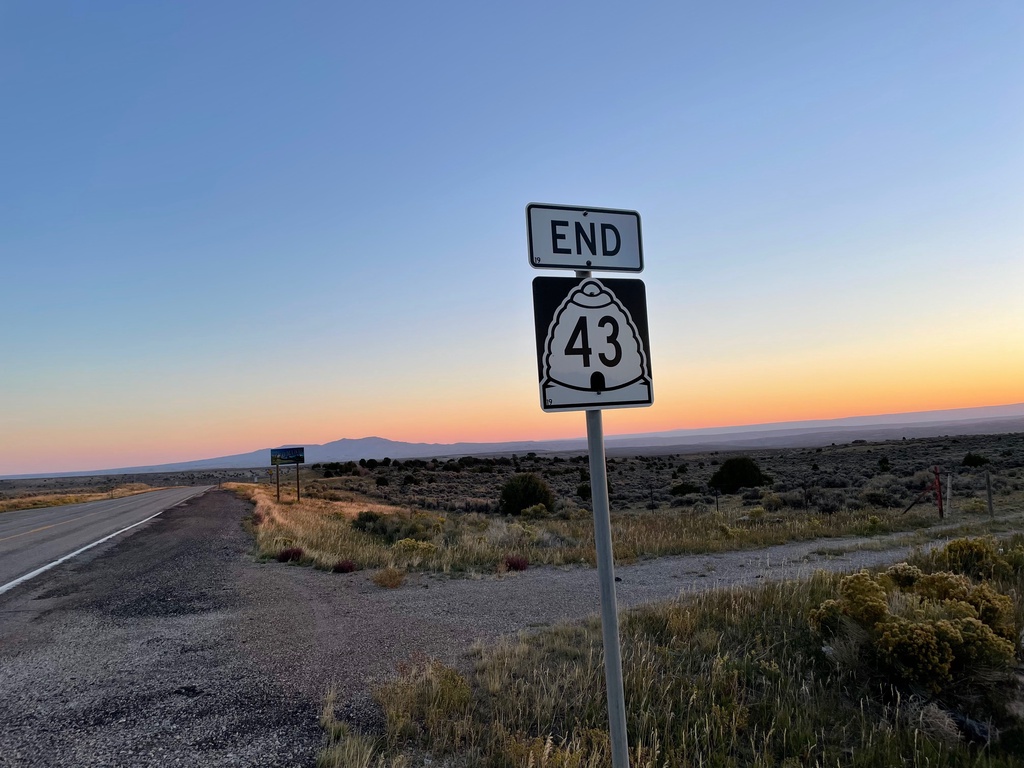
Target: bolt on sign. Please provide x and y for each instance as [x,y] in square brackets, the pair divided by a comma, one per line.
[593,347]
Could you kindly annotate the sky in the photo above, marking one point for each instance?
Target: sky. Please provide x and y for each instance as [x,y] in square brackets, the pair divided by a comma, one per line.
[234,225]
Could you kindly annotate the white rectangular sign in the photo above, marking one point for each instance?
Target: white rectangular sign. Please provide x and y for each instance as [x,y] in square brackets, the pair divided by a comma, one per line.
[571,237]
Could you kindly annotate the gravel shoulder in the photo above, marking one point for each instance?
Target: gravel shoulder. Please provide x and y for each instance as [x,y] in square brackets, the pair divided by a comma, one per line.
[176,647]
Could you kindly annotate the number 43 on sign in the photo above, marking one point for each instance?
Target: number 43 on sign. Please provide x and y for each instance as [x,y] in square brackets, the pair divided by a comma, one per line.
[593,348]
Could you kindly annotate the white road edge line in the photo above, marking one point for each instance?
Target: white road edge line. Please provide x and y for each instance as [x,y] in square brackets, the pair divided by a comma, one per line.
[32,574]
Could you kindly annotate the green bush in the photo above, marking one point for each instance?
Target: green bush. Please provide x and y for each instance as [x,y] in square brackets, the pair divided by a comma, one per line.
[392,528]
[536,512]
[829,502]
[522,491]
[684,488]
[974,506]
[367,520]
[738,472]
[883,491]
[974,460]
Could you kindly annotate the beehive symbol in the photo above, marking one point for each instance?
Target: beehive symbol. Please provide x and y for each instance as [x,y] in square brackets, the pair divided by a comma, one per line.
[593,354]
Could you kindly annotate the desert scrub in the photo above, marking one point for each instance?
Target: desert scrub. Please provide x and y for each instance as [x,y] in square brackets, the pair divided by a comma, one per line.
[973,506]
[397,525]
[366,533]
[389,578]
[915,630]
[731,677]
[524,491]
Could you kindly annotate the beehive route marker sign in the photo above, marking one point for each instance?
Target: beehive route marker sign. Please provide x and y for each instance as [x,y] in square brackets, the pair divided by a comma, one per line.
[592,343]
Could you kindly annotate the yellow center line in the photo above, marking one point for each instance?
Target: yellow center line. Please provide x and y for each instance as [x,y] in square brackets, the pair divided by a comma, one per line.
[52,525]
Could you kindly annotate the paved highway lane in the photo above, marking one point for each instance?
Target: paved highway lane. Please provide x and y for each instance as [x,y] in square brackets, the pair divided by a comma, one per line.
[33,539]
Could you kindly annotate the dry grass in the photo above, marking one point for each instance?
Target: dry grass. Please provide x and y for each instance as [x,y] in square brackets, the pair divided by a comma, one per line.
[389,578]
[346,749]
[321,528]
[57,499]
[467,541]
[733,677]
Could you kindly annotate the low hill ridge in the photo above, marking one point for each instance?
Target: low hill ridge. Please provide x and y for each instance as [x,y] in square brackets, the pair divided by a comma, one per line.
[999,419]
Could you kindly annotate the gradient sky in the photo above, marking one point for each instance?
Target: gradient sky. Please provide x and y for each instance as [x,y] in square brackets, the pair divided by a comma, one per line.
[231,225]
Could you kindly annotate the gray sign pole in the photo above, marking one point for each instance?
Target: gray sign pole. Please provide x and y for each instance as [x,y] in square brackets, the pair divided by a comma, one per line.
[606,579]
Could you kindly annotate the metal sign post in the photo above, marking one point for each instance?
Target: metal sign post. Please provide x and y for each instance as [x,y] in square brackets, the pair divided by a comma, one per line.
[606,580]
[593,352]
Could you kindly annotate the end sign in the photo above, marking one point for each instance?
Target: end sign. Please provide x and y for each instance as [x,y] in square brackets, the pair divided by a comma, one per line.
[567,237]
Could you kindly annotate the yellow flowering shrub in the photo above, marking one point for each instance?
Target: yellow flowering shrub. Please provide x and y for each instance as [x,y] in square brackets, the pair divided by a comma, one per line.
[863,599]
[904,575]
[926,630]
[917,651]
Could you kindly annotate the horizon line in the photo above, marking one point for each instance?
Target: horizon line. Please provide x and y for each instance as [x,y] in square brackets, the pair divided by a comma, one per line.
[1017,409]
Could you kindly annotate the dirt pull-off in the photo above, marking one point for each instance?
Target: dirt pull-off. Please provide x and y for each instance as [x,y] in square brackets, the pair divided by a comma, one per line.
[174,647]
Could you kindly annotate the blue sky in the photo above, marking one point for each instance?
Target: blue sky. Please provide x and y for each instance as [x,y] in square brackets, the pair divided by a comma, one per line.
[230,225]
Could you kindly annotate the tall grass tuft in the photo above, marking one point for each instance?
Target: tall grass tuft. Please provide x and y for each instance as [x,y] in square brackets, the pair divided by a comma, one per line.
[343,748]
[389,578]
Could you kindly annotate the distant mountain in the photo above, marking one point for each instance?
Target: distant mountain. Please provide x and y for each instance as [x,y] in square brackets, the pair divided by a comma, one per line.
[986,420]
[797,434]
[983,413]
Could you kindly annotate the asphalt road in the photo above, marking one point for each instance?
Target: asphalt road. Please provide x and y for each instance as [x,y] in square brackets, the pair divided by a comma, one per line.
[34,538]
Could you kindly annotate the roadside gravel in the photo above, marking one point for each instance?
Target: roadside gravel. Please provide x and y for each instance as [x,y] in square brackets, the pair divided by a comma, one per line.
[174,647]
